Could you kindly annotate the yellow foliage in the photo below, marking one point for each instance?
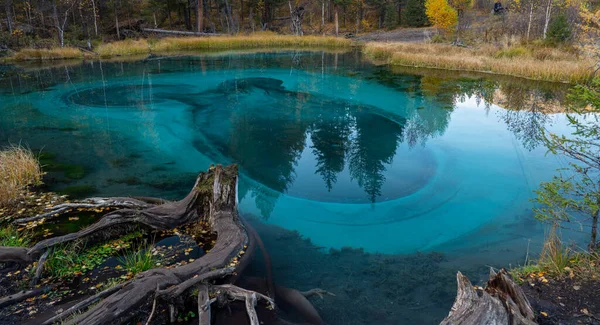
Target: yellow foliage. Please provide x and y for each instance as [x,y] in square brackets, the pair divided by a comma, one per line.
[441,14]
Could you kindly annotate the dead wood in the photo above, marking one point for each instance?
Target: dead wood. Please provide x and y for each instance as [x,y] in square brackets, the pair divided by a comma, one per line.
[212,201]
[502,302]
[176,32]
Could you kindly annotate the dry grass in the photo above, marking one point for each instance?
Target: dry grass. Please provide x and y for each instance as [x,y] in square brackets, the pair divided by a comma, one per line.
[558,260]
[555,255]
[123,48]
[257,40]
[19,169]
[539,63]
[143,46]
[49,54]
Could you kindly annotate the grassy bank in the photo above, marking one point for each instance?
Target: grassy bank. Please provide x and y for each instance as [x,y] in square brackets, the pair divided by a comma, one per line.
[539,63]
[533,62]
[169,44]
[260,40]
[50,54]
[558,260]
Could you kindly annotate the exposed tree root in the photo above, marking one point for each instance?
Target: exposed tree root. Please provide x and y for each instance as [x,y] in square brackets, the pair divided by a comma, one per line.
[228,292]
[39,269]
[213,200]
[91,203]
[18,297]
[16,255]
[204,302]
[83,304]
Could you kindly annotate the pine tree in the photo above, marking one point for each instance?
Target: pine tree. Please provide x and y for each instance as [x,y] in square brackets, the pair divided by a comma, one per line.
[559,30]
[390,20]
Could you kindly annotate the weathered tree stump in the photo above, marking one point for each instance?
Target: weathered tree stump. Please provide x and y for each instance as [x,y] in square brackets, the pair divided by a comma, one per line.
[502,302]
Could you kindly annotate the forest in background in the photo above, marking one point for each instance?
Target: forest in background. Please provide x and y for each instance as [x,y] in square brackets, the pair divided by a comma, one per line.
[86,23]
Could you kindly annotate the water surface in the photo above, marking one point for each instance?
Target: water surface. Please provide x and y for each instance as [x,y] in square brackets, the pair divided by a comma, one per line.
[375,164]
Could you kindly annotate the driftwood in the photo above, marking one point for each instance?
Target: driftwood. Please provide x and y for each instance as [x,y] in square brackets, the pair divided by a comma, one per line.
[502,302]
[177,32]
[213,201]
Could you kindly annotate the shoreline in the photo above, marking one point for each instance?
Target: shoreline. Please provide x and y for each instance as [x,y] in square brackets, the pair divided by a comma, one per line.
[528,62]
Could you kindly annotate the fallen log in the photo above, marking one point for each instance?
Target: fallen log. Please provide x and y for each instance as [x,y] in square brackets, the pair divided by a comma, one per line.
[502,302]
[177,32]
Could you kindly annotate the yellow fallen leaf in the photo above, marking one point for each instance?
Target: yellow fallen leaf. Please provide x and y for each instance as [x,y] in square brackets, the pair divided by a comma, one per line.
[544,314]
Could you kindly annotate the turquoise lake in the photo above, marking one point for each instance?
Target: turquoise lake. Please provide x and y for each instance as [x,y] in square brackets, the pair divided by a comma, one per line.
[375,183]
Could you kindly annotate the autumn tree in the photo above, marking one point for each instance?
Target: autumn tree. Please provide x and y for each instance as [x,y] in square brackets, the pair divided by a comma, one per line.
[441,14]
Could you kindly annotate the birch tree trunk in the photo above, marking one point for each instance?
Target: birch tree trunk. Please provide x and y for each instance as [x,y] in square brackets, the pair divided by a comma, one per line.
[547,22]
[230,23]
[530,19]
[95,17]
[8,16]
[292,25]
[116,19]
[323,14]
[337,24]
[251,18]
[57,24]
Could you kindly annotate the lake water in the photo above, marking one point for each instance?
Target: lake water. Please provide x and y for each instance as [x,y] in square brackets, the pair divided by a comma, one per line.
[375,183]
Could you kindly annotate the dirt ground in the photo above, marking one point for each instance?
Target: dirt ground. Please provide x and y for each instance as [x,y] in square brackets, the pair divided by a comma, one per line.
[409,35]
[566,301]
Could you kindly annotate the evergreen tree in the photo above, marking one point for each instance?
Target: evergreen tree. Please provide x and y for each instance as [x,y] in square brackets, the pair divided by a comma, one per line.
[414,14]
[559,30]
[390,20]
